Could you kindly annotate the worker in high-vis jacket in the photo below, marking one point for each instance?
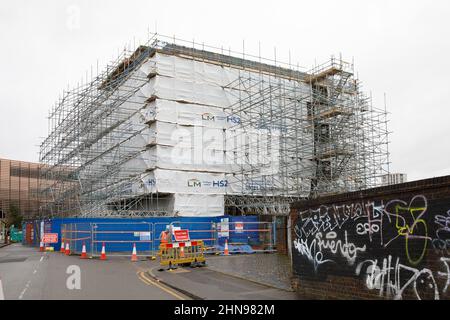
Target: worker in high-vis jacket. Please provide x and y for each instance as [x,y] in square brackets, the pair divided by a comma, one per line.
[164,236]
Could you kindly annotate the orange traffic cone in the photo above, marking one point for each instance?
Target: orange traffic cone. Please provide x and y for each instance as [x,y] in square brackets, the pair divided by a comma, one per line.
[83,252]
[41,246]
[181,252]
[63,248]
[67,252]
[226,252]
[134,254]
[103,255]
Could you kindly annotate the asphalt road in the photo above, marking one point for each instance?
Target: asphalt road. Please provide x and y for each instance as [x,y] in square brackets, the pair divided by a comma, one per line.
[26,273]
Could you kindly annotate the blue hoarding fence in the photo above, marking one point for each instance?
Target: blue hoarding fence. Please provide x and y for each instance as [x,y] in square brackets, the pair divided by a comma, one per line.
[119,239]
[203,230]
[76,235]
[245,234]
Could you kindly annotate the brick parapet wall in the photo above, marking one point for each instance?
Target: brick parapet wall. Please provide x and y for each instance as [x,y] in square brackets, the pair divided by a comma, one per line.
[390,242]
[436,187]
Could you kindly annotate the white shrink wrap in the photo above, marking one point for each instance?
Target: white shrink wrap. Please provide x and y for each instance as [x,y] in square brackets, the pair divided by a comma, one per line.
[188,114]
[198,205]
[171,181]
[188,92]
[186,159]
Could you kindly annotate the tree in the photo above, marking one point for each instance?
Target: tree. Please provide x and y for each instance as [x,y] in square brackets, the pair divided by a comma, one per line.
[14,217]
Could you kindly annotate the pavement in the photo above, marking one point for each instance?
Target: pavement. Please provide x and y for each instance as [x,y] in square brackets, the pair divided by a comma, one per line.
[271,269]
[2,244]
[26,273]
[204,283]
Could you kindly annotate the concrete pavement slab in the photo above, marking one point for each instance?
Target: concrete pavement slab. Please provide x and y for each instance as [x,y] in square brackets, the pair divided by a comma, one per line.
[271,269]
[209,284]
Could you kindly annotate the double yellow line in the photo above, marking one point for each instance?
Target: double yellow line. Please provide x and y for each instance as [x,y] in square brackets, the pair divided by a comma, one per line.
[144,278]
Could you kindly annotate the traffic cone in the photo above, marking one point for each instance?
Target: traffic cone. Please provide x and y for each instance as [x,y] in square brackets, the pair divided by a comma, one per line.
[181,252]
[83,252]
[103,255]
[134,255]
[67,252]
[226,252]
[63,248]
[41,246]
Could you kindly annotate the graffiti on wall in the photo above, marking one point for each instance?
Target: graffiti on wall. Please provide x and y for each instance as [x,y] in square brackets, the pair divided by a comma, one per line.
[441,240]
[396,246]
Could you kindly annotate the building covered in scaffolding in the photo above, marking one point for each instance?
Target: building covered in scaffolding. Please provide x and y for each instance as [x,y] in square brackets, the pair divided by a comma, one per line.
[176,128]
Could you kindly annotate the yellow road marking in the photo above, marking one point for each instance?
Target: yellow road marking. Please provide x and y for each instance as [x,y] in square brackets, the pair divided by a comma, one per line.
[148,281]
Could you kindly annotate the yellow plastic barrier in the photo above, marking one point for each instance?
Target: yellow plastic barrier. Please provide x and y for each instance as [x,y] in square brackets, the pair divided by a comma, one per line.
[179,253]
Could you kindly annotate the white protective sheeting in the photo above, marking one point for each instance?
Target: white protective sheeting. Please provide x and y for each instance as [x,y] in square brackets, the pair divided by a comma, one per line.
[171,134]
[272,184]
[198,205]
[188,114]
[177,158]
[203,72]
[190,92]
[195,71]
[171,181]
[145,160]
[186,158]
[191,142]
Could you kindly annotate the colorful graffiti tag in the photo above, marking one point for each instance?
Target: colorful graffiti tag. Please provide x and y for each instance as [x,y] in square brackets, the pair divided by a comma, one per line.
[399,247]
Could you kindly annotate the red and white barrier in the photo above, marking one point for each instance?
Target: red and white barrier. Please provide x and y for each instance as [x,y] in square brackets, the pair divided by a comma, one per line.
[181,244]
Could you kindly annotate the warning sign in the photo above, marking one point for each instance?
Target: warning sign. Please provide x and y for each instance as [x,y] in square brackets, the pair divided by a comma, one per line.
[143,236]
[50,238]
[224,228]
[181,235]
[239,227]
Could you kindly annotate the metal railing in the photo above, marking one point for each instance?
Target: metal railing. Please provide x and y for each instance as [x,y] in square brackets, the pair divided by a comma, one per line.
[119,237]
[120,242]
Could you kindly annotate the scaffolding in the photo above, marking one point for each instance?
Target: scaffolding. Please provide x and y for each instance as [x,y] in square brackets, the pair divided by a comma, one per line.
[301,135]
[328,136]
[90,133]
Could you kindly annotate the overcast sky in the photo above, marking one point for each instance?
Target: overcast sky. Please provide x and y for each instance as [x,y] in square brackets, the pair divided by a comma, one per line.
[401,48]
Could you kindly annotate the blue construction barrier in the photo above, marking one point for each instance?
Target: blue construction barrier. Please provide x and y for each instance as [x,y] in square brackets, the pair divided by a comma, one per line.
[236,248]
[119,234]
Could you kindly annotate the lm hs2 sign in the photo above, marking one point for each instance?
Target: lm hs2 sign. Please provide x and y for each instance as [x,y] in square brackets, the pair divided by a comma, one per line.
[396,247]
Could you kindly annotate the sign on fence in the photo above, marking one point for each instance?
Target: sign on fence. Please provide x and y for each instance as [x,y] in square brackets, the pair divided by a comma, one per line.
[224,228]
[143,236]
[50,238]
[239,227]
[181,235]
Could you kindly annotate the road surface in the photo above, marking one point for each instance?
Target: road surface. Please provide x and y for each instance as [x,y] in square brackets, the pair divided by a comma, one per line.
[26,273]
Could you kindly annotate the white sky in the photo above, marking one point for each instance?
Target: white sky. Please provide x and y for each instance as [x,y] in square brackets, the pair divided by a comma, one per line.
[401,48]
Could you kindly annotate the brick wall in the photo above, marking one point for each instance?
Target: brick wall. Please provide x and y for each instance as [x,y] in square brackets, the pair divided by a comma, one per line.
[391,242]
[281,235]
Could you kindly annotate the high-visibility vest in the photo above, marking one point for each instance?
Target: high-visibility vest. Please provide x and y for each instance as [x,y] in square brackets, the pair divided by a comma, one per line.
[164,237]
